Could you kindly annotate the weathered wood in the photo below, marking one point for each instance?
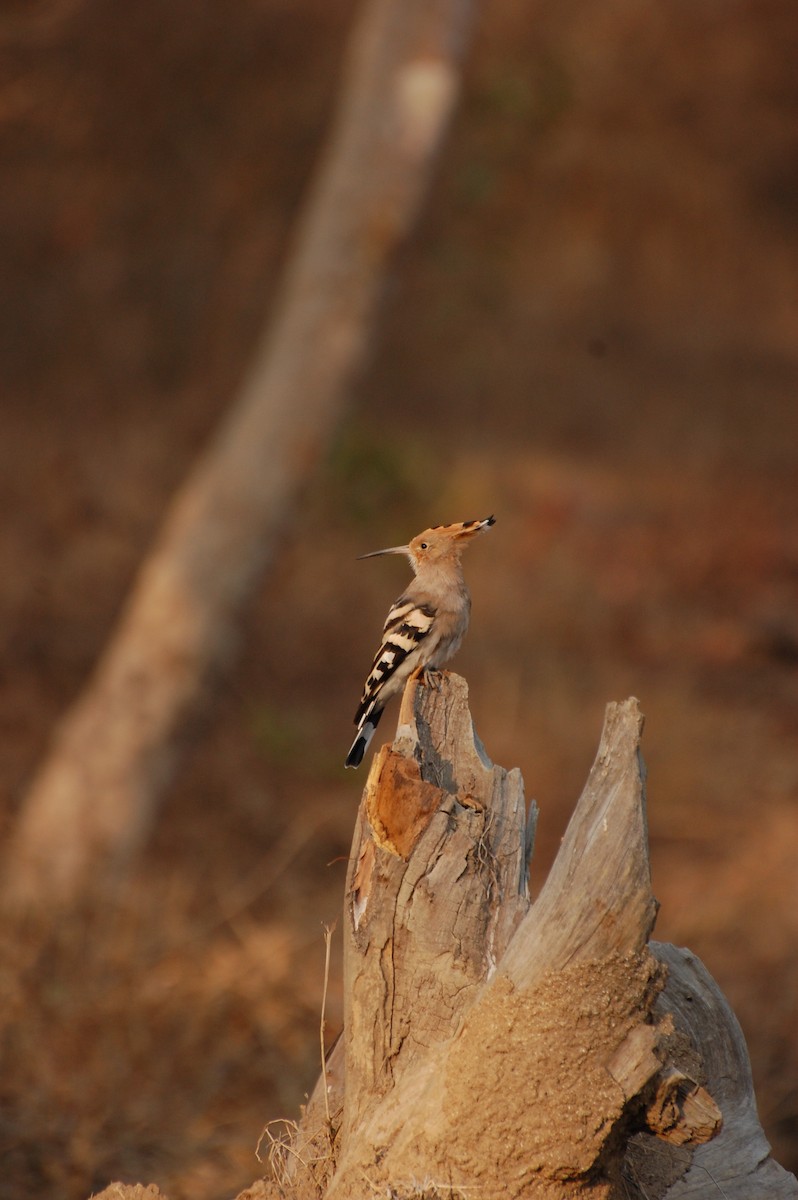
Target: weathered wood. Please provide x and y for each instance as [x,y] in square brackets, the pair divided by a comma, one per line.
[544,1017]
[496,1049]
[681,1111]
[597,899]
[428,915]
[462,821]
[707,1043]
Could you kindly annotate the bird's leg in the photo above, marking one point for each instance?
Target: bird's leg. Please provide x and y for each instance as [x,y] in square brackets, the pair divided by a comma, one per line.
[430,677]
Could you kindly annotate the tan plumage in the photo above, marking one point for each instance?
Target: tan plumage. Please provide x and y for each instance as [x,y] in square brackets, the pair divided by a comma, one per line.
[425,626]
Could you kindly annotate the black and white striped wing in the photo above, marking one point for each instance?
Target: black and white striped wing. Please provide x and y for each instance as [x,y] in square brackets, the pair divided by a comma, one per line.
[406,627]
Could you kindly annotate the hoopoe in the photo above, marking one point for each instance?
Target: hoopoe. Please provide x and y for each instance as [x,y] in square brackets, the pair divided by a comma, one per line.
[424,627]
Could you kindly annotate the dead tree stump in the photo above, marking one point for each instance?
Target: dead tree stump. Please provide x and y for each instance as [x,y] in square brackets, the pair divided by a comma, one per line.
[493,1048]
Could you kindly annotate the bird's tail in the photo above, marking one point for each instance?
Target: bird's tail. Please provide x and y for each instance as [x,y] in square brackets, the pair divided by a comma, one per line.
[364,735]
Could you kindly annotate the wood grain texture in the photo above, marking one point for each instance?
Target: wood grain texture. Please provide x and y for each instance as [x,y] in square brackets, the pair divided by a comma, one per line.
[423,932]
[493,1048]
[597,898]
[737,1163]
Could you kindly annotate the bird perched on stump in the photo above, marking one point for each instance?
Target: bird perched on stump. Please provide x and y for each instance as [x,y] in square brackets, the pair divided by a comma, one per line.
[424,627]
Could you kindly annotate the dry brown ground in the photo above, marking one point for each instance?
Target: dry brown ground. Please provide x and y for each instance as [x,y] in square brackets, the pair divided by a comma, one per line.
[594,336]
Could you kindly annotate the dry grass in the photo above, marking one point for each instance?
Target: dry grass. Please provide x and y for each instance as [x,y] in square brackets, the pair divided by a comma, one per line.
[138,1046]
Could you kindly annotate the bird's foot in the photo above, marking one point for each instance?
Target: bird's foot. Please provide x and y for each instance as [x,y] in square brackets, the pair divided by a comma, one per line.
[431,677]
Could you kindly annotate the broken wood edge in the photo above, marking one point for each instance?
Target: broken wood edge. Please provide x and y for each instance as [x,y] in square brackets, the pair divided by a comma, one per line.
[435,888]
[399,802]
[606,847]
[662,1094]
[736,1162]
[435,731]
[670,1104]
[681,1111]
[437,703]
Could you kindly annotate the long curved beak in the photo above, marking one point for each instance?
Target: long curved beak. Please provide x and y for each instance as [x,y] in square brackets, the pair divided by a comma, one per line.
[390,550]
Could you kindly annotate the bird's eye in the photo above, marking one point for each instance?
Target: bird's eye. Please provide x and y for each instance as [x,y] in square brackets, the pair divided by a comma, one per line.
[423,546]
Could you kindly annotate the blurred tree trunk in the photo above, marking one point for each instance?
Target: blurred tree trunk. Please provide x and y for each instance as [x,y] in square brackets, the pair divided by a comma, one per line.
[95,796]
[494,1047]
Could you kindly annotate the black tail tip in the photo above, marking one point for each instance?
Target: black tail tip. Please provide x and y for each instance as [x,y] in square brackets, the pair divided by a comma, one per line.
[355,756]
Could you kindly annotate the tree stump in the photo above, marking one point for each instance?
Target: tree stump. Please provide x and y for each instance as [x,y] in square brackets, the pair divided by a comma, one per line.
[497,1048]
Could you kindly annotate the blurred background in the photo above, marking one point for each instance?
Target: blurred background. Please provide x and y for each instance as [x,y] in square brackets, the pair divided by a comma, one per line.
[593,334]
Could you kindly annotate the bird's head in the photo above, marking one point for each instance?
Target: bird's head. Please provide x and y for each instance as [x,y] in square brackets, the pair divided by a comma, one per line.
[440,544]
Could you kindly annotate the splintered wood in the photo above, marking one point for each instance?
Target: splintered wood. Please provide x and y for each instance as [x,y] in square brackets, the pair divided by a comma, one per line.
[496,1048]
[399,803]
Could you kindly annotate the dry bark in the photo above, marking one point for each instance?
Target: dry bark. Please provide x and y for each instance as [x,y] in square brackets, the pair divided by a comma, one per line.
[708,1044]
[497,1048]
[94,798]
